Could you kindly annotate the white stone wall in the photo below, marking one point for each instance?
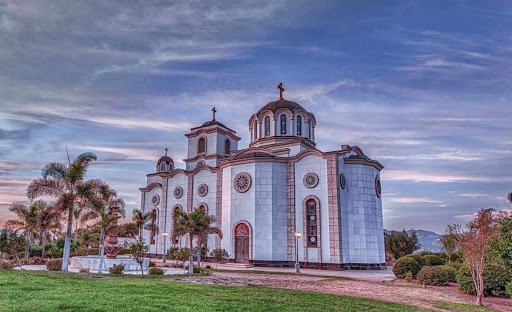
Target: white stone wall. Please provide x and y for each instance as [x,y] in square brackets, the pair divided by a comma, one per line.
[179,179]
[148,206]
[361,216]
[317,165]
[210,179]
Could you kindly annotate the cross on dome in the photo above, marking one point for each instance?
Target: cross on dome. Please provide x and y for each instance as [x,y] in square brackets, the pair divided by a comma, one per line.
[166,150]
[281,89]
[214,111]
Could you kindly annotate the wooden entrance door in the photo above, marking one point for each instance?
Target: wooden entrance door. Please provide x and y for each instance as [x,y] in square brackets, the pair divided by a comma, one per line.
[242,243]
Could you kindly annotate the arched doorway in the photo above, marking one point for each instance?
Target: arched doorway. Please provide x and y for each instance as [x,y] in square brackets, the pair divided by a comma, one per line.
[242,237]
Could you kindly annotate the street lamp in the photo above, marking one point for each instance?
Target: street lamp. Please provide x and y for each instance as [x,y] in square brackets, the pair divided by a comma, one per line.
[164,234]
[297,264]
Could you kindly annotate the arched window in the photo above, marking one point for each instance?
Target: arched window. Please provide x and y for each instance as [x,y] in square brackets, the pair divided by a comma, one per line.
[203,208]
[162,166]
[312,223]
[299,125]
[153,218]
[227,147]
[201,147]
[283,124]
[255,129]
[309,129]
[175,210]
[267,126]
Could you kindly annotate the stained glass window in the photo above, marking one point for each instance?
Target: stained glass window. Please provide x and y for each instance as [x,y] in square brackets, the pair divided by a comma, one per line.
[283,124]
[299,125]
[312,223]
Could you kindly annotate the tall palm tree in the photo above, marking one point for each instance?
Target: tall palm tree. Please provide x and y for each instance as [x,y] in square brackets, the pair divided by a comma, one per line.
[89,239]
[67,184]
[194,224]
[141,219]
[26,221]
[105,223]
[48,221]
[81,214]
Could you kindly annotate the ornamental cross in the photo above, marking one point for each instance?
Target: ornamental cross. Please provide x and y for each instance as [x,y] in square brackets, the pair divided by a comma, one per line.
[166,150]
[281,89]
[214,111]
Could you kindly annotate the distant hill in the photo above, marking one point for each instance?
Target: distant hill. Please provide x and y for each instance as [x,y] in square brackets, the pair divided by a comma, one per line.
[428,240]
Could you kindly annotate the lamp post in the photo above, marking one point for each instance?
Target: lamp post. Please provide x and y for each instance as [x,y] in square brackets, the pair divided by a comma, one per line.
[164,234]
[297,264]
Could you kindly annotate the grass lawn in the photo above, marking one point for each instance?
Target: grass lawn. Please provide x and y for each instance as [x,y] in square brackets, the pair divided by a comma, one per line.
[45,291]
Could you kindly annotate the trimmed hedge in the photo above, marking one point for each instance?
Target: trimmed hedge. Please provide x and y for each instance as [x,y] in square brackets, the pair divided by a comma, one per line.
[432,260]
[155,271]
[54,265]
[439,275]
[407,264]
[116,269]
[496,278]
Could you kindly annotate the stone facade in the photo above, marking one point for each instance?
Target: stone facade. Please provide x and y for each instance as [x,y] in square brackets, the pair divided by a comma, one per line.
[276,176]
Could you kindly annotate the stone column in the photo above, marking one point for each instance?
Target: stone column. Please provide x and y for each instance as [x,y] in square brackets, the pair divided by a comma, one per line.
[290,198]
[334,212]
[218,208]
[292,126]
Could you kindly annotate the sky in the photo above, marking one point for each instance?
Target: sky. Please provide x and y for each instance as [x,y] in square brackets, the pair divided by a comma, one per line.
[422,86]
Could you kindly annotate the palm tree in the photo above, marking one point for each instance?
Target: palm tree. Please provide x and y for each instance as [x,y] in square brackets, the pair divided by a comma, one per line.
[89,239]
[66,183]
[26,221]
[105,223]
[81,215]
[205,229]
[194,224]
[48,221]
[141,219]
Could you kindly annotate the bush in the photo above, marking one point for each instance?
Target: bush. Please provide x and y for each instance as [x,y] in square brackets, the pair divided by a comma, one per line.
[406,264]
[196,269]
[84,270]
[6,265]
[37,261]
[35,251]
[439,275]
[455,265]
[54,265]
[508,289]
[124,251]
[155,271]
[496,278]
[432,260]
[152,264]
[25,261]
[116,269]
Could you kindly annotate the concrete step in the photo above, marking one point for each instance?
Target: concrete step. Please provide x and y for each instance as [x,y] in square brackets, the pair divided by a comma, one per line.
[237,265]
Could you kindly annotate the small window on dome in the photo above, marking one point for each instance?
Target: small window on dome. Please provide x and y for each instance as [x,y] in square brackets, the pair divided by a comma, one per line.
[201,148]
[227,147]
[299,125]
[283,124]
[163,167]
[255,129]
[267,126]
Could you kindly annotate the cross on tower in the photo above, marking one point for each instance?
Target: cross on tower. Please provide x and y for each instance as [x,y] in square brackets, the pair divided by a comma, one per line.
[166,150]
[281,89]
[214,111]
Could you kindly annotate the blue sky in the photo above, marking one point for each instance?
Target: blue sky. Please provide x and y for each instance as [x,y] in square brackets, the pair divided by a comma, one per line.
[422,86]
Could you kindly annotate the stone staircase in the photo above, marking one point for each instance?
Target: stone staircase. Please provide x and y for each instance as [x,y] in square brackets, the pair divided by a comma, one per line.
[236,265]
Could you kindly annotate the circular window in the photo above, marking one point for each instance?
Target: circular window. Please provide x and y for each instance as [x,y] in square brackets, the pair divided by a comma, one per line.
[202,190]
[200,163]
[377,186]
[343,181]
[242,182]
[178,192]
[310,180]
[155,199]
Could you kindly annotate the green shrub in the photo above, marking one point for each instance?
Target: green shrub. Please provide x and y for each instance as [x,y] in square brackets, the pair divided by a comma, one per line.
[196,269]
[35,251]
[496,278]
[418,258]
[432,260]
[508,289]
[54,265]
[25,261]
[6,264]
[406,264]
[455,265]
[84,270]
[439,275]
[124,251]
[155,271]
[37,261]
[116,269]
[152,264]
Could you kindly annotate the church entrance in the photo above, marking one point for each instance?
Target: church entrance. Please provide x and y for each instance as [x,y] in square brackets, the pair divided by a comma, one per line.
[242,243]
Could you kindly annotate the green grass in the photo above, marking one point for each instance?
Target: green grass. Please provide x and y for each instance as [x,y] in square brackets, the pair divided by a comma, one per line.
[461,307]
[344,278]
[45,291]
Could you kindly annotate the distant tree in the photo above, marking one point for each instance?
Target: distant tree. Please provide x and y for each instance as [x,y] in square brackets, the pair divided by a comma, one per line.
[400,244]
[474,243]
[448,241]
[219,254]
[11,242]
[26,220]
[138,251]
[89,239]
[127,230]
[65,183]
[142,220]
[48,224]
[501,246]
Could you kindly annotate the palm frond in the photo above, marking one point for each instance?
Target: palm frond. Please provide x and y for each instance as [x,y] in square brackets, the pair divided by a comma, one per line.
[57,171]
[19,209]
[45,186]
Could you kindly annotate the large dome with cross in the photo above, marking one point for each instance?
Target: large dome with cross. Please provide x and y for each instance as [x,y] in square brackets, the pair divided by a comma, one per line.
[282,118]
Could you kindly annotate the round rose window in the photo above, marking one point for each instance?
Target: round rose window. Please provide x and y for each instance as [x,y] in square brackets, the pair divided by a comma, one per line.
[343,181]
[242,182]
[155,199]
[202,190]
[178,192]
[310,180]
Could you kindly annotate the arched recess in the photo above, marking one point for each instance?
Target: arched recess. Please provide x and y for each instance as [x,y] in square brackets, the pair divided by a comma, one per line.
[153,237]
[227,147]
[242,241]
[175,208]
[201,145]
[311,208]
[203,207]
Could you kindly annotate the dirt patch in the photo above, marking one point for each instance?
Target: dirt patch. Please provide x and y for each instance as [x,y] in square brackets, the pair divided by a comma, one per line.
[392,291]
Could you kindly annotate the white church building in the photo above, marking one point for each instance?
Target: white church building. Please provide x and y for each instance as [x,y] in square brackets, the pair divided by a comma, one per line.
[281,184]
